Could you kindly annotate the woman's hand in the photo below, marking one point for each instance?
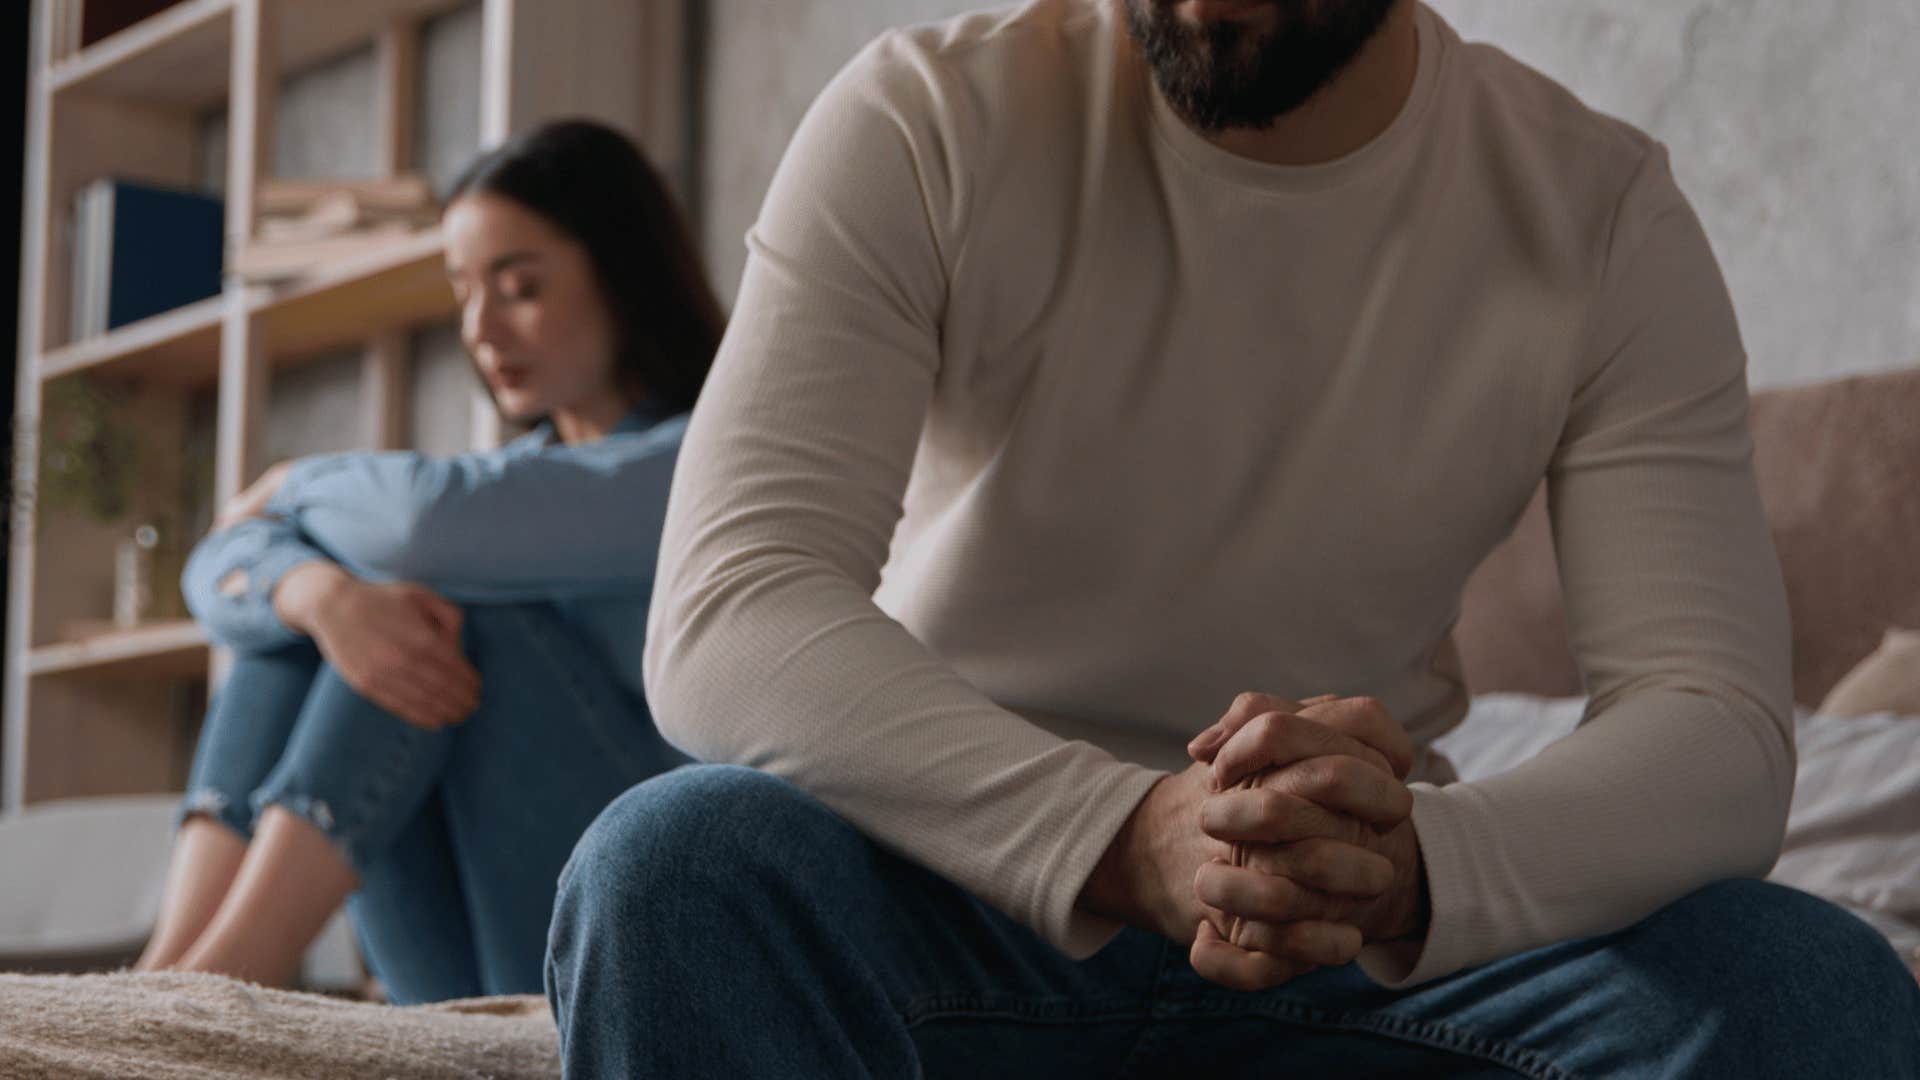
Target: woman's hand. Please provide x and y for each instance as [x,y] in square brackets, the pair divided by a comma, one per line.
[398,644]
[252,502]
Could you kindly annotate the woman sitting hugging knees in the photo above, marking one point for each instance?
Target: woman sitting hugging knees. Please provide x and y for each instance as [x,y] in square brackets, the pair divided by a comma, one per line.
[436,683]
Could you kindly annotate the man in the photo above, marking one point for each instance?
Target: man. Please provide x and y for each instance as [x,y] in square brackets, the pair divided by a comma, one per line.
[1179,357]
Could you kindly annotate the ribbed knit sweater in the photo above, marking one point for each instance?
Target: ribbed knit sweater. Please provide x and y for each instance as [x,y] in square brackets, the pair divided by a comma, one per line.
[1044,426]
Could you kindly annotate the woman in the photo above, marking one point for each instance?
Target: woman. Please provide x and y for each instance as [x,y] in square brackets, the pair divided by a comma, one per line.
[436,683]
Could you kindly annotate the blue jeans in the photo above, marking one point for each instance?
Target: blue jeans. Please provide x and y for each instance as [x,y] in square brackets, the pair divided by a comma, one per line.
[458,835]
[717,921]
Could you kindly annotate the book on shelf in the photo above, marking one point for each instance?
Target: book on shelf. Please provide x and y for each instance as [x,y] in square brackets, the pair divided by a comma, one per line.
[406,193]
[306,224]
[138,249]
[279,260]
[335,214]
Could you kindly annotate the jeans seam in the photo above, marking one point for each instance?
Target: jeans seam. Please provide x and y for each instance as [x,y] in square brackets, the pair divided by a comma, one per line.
[379,790]
[1425,1032]
[346,819]
[538,636]
[975,1007]
[1156,1000]
[1054,1008]
[212,803]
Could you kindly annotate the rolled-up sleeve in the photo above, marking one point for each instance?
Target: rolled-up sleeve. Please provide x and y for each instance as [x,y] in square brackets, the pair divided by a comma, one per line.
[229,579]
[523,523]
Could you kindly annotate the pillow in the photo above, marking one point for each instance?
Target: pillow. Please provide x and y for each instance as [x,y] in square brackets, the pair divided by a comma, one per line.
[1887,681]
[1853,832]
[1853,835]
[1834,461]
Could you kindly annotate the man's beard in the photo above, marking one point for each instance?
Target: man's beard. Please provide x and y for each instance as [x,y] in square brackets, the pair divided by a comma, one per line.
[1229,75]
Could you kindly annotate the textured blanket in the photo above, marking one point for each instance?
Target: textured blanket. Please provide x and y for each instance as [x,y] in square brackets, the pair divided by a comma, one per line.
[165,1026]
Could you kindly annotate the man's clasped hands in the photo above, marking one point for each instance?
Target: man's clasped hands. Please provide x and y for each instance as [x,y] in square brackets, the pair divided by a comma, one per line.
[1286,845]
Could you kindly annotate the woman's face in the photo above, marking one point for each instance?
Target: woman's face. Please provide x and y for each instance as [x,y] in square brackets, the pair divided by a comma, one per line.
[531,311]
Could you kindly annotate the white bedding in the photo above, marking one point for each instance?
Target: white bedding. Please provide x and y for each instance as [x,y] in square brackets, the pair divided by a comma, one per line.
[1853,834]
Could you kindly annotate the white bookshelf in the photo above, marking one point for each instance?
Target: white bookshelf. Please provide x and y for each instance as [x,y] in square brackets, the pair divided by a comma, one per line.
[101,714]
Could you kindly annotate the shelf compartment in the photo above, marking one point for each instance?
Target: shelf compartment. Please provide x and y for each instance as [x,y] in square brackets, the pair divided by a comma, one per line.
[307,33]
[178,347]
[179,58]
[403,283]
[182,57]
[173,649]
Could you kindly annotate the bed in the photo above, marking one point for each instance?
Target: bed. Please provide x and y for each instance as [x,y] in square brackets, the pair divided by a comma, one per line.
[1839,471]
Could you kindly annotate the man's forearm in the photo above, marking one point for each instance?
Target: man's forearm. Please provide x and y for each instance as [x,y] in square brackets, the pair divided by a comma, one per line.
[1597,833]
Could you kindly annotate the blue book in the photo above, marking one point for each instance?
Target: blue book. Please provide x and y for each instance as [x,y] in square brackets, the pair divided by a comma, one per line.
[142,250]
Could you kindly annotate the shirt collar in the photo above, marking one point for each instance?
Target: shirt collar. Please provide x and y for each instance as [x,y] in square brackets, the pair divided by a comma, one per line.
[648,412]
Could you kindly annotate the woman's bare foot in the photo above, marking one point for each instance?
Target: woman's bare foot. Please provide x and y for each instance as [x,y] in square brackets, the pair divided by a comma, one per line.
[290,884]
[206,856]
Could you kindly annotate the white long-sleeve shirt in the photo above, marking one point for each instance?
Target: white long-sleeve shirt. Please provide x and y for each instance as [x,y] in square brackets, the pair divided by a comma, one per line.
[1043,427]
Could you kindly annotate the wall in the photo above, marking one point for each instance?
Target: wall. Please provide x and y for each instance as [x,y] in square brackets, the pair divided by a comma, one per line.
[764,62]
[1791,129]
[323,129]
[1790,126]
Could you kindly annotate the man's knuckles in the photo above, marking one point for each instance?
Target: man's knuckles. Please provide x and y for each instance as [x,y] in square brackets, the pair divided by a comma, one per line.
[1323,944]
[1334,782]
[1267,815]
[1366,718]
[1335,867]
[1253,894]
[1281,738]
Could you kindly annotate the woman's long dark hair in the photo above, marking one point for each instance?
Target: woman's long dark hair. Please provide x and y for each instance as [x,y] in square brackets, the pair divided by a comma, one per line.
[592,183]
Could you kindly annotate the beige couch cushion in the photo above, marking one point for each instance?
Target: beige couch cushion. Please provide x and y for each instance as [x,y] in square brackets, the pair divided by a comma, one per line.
[1838,464]
[1887,681]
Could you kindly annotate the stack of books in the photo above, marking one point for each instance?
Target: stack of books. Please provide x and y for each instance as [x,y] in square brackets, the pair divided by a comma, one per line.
[140,249]
[305,224]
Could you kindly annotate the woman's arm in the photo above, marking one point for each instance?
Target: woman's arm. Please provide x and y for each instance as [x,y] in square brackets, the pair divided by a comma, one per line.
[520,523]
[228,582]
[257,585]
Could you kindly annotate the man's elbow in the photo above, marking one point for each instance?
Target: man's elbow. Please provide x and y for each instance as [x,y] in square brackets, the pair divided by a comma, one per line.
[698,665]
[1767,794]
[670,646]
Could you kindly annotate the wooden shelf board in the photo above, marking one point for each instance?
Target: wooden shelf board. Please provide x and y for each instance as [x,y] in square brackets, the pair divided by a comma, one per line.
[400,284]
[172,649]
[180,346]
[307,32]
[180,58]
[403,283]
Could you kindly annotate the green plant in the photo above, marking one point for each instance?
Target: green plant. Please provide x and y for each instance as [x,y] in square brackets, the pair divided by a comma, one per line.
[89,462]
